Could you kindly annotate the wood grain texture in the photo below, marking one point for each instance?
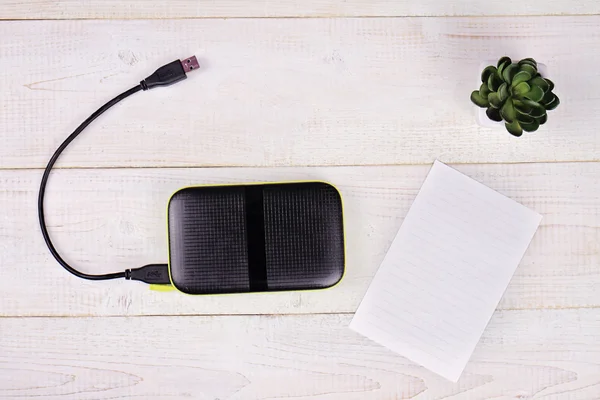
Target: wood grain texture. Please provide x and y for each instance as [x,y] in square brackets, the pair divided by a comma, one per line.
[110,220]
[284,92]
[535,354]
[75,9]
[289,92]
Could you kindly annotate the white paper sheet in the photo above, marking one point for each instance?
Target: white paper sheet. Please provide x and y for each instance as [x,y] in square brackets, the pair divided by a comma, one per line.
[445,271]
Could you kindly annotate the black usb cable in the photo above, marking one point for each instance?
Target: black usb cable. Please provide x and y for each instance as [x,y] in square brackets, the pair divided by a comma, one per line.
[152,273]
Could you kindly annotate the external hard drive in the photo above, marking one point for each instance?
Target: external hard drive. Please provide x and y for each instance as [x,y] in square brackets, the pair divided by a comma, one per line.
[256,237]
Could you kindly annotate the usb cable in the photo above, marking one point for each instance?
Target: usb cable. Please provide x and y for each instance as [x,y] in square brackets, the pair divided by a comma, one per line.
[153,273]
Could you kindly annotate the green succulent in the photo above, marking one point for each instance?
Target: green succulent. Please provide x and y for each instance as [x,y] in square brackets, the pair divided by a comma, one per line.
[517,94]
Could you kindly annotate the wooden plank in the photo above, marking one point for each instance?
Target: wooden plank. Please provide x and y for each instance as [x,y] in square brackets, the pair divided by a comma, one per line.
[74,9]
[550,354]
[110,220]
[289,92]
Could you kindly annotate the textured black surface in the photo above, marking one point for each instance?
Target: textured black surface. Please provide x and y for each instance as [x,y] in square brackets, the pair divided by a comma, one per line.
[304,237]
[217,243]
[207,240]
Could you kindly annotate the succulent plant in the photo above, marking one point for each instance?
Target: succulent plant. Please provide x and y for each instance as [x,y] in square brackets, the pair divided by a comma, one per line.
[517,94]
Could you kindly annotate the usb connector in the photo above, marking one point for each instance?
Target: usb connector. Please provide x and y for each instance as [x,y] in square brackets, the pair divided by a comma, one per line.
[190,64]
[171,73]
[152,274]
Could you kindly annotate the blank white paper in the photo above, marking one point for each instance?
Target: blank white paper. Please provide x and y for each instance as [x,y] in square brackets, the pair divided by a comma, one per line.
[445,271]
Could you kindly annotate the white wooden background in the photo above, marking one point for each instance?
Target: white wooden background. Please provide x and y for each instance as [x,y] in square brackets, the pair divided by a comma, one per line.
[365,94]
